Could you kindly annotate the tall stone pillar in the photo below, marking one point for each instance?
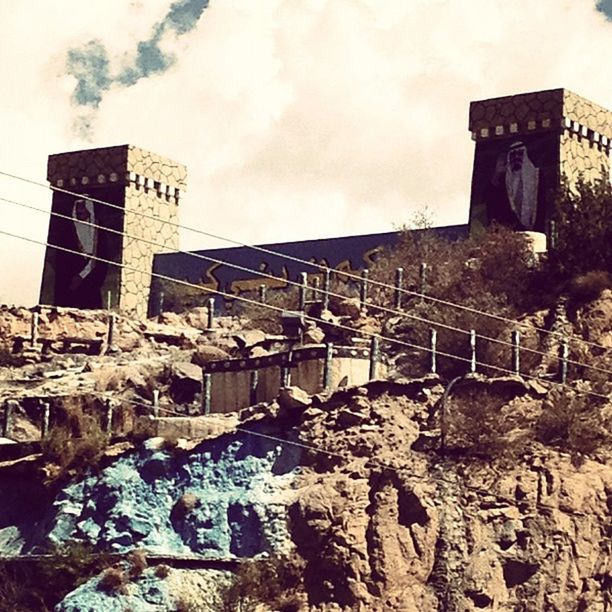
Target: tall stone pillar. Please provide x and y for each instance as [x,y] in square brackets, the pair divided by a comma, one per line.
[134,181]
[525,144]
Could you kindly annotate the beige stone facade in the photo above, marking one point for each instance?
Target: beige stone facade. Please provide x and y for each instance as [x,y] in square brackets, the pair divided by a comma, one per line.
[146,192]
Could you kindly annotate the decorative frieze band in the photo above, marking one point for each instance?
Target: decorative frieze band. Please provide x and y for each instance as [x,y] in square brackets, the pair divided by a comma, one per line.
[289,358]
[102,180]
[565,124]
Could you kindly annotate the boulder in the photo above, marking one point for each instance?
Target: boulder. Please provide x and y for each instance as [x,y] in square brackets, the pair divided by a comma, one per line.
[314,335]
[349,307]
[293,398]
[197,317]
[186,382]
[258,351]
[206,353]
[249,338]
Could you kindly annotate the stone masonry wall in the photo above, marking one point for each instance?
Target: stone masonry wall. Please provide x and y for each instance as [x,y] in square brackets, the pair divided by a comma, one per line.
[152,186]
[154,190]
[585,128]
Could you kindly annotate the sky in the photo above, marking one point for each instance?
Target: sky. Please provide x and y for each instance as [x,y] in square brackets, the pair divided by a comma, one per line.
[297,119]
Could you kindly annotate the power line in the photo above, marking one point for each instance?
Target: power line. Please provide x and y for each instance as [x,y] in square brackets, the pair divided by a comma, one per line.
[303,261]
[263,274]
[308,317]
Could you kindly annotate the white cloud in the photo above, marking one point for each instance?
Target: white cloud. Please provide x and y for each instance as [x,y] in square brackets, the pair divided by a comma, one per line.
[297,119]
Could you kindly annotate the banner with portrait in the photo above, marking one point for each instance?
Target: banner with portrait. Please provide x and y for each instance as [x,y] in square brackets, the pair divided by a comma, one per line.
[75,277]
[514,182]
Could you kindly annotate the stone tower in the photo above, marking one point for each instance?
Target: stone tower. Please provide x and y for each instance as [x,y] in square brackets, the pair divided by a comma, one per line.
[525,144]
[135,182]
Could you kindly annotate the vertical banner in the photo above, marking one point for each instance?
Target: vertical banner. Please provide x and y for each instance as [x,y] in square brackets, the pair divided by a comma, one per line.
[514,181]
[78,279]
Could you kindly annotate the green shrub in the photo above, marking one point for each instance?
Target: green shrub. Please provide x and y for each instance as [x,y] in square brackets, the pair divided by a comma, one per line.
[493,273]
[585,288]
[583,222]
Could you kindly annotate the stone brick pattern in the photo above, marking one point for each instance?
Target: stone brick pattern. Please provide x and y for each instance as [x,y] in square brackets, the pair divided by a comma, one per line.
[151,185]
[585,129]
[138,251]
[122,164]
[542,110]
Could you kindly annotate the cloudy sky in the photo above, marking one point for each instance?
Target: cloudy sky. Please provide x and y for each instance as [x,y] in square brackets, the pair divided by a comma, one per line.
[296,118]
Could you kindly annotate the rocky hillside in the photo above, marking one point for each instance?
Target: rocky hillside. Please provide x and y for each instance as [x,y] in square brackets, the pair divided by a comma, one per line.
[404,494]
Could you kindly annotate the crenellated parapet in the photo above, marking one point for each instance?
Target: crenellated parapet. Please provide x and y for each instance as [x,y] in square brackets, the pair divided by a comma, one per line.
[120,165]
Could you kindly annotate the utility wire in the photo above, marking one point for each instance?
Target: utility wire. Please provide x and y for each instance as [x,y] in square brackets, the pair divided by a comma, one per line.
[263,274]
[301,261]
[307,317]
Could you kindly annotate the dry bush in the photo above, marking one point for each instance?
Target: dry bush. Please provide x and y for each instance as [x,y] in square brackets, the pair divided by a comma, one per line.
[162,571]
[487,422]
[40,584]
[576,422]
[114,580]
[138,563]
[8,359]
[261,316]
[179,297]
[274,583]
[76,440]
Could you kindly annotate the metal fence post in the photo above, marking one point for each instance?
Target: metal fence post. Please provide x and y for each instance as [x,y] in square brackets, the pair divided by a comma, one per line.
[46,412]
[110,331]
[433,344]
[363,288]
[516,352]
[563,355]
[211,312]
[422,279]
[326,283]
[303,279]
[155,403]
[327,368]
[472,351]
[286,371]
[262,293]
[109,418]
[8,417]
[399,282]
[160,306]
[374,356]
[109,300]
[253,382]
[207,392]
[552,236]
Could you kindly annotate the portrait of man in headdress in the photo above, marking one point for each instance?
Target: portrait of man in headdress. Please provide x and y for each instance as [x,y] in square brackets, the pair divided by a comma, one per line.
[513,192]
[80,276]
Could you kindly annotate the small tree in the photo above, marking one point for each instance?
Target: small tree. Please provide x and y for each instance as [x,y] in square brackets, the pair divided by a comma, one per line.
[583,229]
